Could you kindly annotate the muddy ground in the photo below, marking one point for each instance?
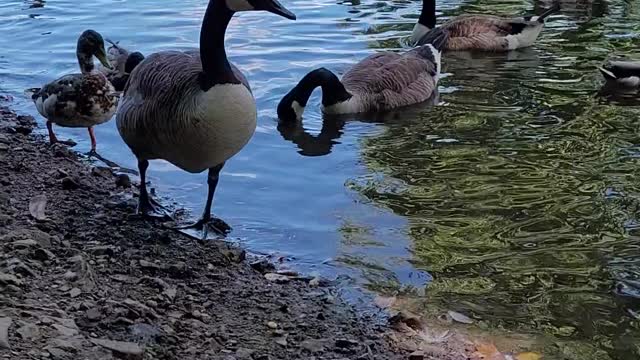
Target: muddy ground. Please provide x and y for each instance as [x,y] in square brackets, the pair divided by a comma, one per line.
[83,277]
[87,279]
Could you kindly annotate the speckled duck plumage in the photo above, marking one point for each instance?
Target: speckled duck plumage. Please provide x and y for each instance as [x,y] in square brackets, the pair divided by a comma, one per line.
[79,100]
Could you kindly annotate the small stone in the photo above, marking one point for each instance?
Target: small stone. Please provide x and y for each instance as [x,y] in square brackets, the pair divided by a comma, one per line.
[93,314]
[69,183]
[121,348]
[152,304]
[8,279]
[416,355]
[406,318]
[123,181]
[101,171]
[70,276]
[346,343]
[281,279]
[5,323]
[282,341]
[244,353]
[272,325]
[102,250]
[170,292]
[21,268]
[313,345]
[315,282]
[29,331]
[66,331]
[24,244]
[144,332]
[75,292]
[56,353]
[43,254]
[329,299]
[149,265]
[288,273]
[262,266]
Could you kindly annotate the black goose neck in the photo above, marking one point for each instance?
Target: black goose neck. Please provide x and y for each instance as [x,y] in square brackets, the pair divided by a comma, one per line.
[215,65]
[333,91]
[428,14]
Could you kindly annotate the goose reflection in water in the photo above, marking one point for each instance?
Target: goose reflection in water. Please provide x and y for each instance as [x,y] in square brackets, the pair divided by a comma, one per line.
[333,127]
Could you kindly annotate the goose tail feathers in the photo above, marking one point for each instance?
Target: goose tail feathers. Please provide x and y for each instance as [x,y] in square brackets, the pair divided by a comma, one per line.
[608,75]
[552,10]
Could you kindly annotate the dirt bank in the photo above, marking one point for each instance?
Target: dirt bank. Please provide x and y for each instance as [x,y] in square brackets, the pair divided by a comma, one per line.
[86,279]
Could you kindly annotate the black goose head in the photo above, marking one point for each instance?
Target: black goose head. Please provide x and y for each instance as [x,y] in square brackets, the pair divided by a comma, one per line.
[292,105]
[91,43]
[272,6]
[133,60]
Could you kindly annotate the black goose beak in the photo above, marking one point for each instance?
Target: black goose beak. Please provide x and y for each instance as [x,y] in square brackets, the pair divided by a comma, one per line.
[273,6]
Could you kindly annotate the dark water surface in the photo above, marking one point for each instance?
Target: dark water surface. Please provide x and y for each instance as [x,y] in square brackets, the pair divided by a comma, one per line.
[516,197]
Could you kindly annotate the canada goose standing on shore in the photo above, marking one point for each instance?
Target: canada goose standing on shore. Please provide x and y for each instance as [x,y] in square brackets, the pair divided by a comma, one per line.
[380,82]
[482,32]
[79,100]
[194,108]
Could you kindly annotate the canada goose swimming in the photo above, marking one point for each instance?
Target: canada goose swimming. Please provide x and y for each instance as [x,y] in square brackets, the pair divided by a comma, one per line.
[194,108]
[79,100]
[482,32]
[623,74]
[382,81]
[122,64]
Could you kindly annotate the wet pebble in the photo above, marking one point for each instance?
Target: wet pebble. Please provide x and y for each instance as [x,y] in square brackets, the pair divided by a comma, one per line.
[5,323]
[123,181]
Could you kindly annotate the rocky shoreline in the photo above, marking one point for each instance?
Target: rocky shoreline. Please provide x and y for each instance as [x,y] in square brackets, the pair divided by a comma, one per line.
[81,277]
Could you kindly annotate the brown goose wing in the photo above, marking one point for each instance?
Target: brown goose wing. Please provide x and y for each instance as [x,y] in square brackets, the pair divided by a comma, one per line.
[482,31]
[390,80]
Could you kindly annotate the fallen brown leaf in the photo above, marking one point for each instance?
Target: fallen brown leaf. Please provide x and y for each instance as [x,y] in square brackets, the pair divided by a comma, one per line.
[487,352]
[528,356]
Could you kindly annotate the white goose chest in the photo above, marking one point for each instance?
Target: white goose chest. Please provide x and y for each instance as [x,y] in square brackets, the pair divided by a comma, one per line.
[217,124]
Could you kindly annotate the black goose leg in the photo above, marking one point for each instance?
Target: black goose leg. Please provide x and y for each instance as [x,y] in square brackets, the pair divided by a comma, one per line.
[146,205]
[208,222]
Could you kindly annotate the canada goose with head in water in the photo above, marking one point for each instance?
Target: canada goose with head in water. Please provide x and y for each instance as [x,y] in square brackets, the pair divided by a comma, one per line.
[380,82]
[622,74]
[482,32]
[122,64]
[193,109]
[79,100]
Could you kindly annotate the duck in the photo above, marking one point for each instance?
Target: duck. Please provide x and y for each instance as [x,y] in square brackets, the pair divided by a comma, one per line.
[380,82]
[122,64]
[482,32]
[193,109]
[84,99]
[621,74]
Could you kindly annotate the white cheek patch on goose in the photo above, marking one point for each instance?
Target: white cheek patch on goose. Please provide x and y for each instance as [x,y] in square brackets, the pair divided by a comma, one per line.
[298,109]
[239,5]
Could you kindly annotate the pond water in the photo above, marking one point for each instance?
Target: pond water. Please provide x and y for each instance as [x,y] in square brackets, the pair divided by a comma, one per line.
[514,200]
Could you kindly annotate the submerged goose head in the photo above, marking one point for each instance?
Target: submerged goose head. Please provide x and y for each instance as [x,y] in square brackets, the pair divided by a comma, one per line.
[292,105]
[90,44]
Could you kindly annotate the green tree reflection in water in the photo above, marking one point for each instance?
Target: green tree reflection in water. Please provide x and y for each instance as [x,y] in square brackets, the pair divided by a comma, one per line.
[521,189]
